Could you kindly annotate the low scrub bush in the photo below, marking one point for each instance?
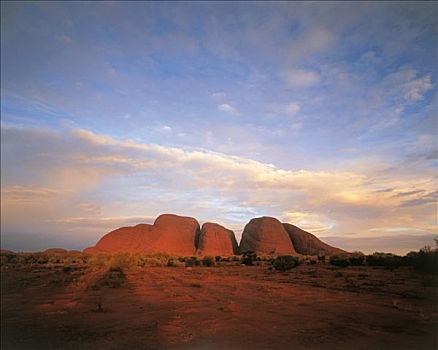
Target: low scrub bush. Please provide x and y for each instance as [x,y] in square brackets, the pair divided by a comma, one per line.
[151,260]
[122,261]
[339,260]
[100,260]
[248,258]
[208,261]
[175,263]
[285,262]
[357,259]
[426,260]
[387,260]
[192,261]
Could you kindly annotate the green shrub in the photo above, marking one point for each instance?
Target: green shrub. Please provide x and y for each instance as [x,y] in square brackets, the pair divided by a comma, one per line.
[248,258]
[208,261]
[218,258]
[285,262]
[339,260]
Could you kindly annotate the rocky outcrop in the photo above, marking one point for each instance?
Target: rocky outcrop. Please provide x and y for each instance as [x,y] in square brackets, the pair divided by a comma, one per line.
[134,239]
[216,240]
[181,236]
[266,235]
[170,234]
[307,244]
[177,235]
[55,251]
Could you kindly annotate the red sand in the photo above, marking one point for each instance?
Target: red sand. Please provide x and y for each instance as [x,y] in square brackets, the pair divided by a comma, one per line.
[240,307]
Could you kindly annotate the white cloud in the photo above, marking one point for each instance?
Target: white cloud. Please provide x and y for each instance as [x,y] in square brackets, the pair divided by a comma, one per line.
[300,78]
[165,128]
[370,57]
[227,108]
[219,95]
[69,176]
[315,40]
[406,85]
[416,89]
[292,108]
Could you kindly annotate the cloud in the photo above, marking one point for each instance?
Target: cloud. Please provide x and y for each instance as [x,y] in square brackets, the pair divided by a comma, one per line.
[219,95]
[292,108]
[78,174]
[405,84]
[225,107]
[313,41]
[300,78]
[308,221]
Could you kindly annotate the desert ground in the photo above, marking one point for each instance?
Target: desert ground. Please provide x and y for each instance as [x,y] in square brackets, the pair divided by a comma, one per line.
[227,306]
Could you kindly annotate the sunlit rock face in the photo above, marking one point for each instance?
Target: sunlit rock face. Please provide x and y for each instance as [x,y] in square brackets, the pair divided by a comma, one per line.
[182,236]
[170,234]
[216,240]
[266,235]
[176,234]
[307,244]
[134,239]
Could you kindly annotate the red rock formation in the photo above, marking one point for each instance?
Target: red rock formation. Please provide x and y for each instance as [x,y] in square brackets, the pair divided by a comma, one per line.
[216,240]
[91,250]
[176,235]
[55,251]
[266,235]
[170,234]
[307,244]
[134,239]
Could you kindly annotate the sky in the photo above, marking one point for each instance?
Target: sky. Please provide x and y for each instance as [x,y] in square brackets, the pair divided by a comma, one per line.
[321,114]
